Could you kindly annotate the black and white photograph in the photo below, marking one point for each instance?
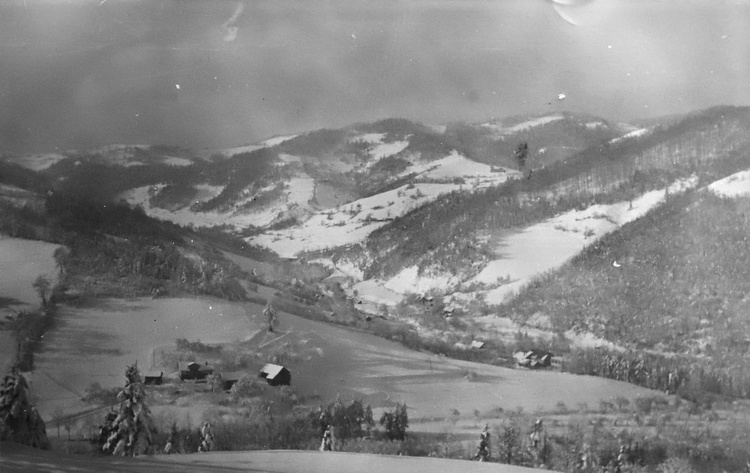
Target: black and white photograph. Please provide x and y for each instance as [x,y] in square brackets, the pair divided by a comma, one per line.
[353,236]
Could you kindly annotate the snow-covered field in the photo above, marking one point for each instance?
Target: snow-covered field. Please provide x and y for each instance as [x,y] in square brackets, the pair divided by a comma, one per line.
[15,458]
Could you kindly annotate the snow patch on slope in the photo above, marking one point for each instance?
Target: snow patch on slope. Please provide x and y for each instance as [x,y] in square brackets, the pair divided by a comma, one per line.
[277,140]
[523,125]
[301,190]
[454,166]
[547,245]
[229,152]
[175,161]
[371,138]
[410,281]
[383,150]
[736,185]
[238,217]
[632,134]
[37,162]
[595,125]
[206,192]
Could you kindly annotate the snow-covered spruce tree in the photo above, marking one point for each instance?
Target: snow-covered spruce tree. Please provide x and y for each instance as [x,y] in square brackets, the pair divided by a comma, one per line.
[19,420]
[129,430]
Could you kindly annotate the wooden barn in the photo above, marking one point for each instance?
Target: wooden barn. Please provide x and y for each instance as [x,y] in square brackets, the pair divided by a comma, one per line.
[230,378]
[275,375]
[194,370]
[153,377]
[534,358]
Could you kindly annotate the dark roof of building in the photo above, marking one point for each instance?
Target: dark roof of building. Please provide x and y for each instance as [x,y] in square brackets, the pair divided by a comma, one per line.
[188,365]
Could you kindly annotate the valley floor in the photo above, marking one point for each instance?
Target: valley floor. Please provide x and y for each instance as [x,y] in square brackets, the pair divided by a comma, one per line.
[93,345]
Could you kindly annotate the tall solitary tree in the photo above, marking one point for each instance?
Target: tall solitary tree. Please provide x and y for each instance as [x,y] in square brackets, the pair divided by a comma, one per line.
[42,286]
[19,420]
[62,256]
[129,430]
[522,152]
[270,314]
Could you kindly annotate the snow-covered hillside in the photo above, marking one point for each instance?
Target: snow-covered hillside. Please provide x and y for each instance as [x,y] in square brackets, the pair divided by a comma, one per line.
[547,245]
[353,222]
[243,213]
[522,255]
[736,185]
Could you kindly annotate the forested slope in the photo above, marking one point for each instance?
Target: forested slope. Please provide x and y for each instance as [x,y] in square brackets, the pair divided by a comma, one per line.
[711,145]
[673,282]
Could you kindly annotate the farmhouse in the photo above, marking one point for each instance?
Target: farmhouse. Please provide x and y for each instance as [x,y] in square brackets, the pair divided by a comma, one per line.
[194,370]
[153,377]
[534,358]
[275,375]
[230,378]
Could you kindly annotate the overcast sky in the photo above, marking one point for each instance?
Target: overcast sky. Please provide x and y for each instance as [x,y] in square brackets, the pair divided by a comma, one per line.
[79,73]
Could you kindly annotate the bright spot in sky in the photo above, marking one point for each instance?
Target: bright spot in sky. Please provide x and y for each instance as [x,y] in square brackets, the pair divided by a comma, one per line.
[561,96]
[178,86]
